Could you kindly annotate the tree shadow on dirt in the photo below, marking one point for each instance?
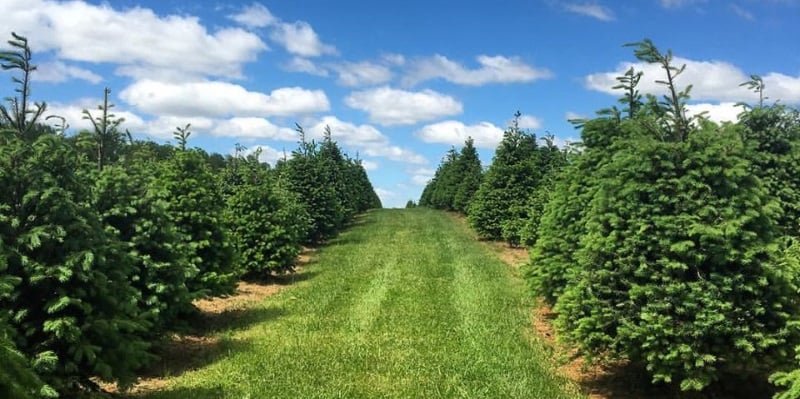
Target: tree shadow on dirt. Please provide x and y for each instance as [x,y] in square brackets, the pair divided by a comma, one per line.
[185,392]
[627,381]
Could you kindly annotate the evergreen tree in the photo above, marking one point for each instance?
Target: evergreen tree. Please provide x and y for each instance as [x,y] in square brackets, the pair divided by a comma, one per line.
[134,208]
[304,174]
[470,174]
[266,237]
[74,302]
[196,206]
[512,176]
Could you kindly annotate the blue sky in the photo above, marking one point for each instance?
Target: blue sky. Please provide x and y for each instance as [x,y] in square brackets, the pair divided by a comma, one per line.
[398,82]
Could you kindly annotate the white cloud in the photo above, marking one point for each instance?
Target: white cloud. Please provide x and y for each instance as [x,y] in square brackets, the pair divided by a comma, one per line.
[678,3]
[389,198]
[529,122]
[299,64]
[267,154]
[421,176]
[740,11]
[569,115]
[57,72]
[723,112]
[492,69]
[254,16]
[592,10]
[711,81]
[135,38]
[369,165]
[253,128]
[485,134]
[300,39]
[366,139]
[354,74]
[164,126]
[218,99]
[389,106]
[73,113]
[394,59]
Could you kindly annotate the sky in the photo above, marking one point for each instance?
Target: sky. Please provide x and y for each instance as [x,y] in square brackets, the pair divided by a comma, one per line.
[398,82]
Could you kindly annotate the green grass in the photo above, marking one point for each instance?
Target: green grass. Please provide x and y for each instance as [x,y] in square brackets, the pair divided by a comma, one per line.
[403,305]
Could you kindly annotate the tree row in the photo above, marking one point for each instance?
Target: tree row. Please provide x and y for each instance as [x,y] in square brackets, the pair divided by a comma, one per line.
[106,241]
[661,239]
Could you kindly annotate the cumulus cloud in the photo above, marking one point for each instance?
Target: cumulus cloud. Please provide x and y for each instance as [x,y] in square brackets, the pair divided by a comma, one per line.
[710,80]
[299,64]
[253,128]
[492,69]
[723,112]
[592,10]
[254,16]
[299,38]
[217,99]
[366,139]
[266,153]
[421,176]
[365,73]
[57,72]
[136,38]
[389,106]
[73,114]
[529,122]
[485,134]
[369,165]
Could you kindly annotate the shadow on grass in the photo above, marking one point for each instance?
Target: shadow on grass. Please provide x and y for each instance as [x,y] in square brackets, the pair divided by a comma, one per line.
[193,393]
[629,382]
[234,319]
[185,353]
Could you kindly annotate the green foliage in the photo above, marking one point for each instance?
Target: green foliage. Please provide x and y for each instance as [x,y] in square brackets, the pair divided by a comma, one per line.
[551,161]
[75,300]
[19,114]
[470,174]
[772,135]
[562,224]
[456,181]
[331,187]
[265,231]
[107,137]
[133,206]
[17,377]
[659,244]
[500,204]
[196,206]
[676,270]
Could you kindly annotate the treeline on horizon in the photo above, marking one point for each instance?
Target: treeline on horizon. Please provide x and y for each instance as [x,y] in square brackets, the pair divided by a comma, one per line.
[661,239]
[105,241]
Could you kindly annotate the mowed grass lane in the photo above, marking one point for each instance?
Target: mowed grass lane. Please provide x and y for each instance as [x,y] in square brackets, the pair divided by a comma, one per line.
[403,305]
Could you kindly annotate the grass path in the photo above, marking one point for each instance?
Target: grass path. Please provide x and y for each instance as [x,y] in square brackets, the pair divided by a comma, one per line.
[404,305]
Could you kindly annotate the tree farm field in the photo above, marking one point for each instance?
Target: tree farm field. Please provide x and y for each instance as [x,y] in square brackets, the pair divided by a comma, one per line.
[404,304]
